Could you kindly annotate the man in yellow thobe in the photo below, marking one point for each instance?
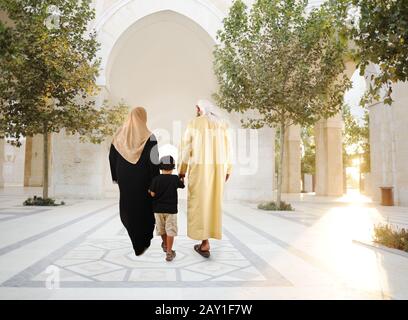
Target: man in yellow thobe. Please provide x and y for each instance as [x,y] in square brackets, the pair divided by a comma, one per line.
[205,154]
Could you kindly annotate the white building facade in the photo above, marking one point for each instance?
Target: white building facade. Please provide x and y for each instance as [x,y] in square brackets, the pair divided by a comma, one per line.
[158,54]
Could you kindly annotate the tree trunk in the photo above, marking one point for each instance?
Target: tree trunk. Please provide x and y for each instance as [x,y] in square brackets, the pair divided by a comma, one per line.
[280,171]
[45,163]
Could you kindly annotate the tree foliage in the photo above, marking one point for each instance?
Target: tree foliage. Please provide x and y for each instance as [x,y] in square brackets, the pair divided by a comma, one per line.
[280,65]
[380,31]
[48,71]
[280,62]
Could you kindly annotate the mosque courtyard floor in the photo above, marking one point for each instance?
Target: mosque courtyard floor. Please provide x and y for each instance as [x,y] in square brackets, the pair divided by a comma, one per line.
[322,250]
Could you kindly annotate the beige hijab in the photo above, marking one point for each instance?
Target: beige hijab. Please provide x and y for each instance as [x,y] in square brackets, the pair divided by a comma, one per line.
[131,138]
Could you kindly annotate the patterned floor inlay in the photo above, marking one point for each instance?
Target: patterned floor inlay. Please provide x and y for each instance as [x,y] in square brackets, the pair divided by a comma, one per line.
[111,262]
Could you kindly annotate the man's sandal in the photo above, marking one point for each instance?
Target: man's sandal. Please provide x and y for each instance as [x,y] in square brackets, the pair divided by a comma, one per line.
[205,254]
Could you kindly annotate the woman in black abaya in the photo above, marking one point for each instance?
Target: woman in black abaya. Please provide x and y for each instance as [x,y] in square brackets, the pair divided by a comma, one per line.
[134,160]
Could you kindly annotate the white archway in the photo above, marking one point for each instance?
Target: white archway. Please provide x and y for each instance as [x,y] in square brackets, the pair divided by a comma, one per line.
[159,54]
[114,23]
[163,62]
[179,35]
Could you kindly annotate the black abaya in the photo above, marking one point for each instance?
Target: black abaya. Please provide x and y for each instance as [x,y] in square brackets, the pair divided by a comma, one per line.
[135,203]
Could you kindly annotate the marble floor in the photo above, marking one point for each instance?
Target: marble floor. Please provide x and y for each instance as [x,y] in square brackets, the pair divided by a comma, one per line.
[323,250]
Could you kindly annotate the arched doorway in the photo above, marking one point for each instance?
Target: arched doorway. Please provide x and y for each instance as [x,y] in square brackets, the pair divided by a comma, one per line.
[112,24]
[163,62]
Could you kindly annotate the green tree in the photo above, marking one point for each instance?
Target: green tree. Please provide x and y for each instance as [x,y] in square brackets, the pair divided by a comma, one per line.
[48,72]
[380,31]
[282,64]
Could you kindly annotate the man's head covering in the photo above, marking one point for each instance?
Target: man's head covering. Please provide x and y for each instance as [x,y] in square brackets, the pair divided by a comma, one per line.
[131,138]
[209,110]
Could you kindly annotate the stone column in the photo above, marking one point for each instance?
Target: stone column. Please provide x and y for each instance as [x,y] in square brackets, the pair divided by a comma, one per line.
[2,144]
[33,165]
[291,161]
[329,157]
[329,151]
[389,146]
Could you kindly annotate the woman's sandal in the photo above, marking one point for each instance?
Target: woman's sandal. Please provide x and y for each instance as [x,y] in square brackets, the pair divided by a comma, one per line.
[205,254]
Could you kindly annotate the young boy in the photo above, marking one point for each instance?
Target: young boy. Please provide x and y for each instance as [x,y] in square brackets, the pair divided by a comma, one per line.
[164,192]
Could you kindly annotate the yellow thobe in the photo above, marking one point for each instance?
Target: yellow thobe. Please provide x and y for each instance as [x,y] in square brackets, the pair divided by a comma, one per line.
[205,153]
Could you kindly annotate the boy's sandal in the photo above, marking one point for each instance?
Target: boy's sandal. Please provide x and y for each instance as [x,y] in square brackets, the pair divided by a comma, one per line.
[205,254]
[170,255]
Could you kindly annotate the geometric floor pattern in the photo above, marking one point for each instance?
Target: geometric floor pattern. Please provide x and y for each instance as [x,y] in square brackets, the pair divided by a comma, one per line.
[314,252]
[111,262]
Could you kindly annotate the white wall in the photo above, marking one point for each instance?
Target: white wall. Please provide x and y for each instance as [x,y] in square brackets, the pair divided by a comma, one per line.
[389,145]
[12,164]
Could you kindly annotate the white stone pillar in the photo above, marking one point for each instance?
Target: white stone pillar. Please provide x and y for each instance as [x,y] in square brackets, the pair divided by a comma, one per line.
[389,146]
[381,152]
[33,166]
[329,157]
[2,145]
[291,161]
